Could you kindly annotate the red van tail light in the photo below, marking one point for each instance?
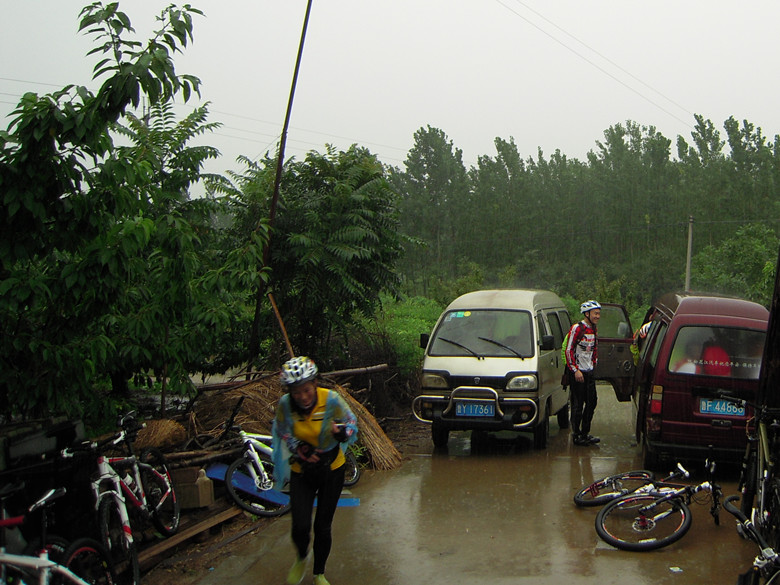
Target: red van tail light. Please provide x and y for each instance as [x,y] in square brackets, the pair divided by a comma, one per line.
[656,400]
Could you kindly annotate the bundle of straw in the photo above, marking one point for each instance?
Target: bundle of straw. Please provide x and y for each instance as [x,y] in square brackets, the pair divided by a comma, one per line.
[161,433]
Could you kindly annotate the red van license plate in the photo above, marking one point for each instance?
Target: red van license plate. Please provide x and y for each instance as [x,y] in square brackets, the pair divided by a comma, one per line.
[475,409]
[720,407]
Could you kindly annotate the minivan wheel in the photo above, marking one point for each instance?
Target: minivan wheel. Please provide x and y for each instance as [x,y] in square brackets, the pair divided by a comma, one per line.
[540,433]
[563,417]
[651,460]
[440,436]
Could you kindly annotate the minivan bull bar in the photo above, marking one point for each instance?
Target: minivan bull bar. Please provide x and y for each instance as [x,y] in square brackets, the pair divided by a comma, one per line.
[489,394]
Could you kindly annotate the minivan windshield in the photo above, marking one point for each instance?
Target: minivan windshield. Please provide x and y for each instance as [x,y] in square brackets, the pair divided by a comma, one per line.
[717,351]
[484,333]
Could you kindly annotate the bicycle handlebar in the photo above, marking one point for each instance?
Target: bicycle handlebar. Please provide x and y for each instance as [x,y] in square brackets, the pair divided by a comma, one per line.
[761,410]
[753,532]
[90,446]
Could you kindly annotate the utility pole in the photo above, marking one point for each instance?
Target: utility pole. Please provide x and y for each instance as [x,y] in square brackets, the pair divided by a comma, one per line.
[688,256]
[254,335]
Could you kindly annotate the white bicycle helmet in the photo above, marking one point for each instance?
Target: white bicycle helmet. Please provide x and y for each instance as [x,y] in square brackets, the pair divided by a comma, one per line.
[589,306]
[298,370]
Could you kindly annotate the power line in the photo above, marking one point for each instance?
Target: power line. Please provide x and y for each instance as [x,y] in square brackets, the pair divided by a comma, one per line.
[607,59]
[592,63]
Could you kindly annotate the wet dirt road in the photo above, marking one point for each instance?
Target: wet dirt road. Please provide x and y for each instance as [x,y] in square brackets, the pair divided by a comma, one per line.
[499,513]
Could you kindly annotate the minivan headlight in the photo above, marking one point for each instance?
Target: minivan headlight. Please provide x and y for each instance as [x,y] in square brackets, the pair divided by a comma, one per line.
[524,383]
[433,381]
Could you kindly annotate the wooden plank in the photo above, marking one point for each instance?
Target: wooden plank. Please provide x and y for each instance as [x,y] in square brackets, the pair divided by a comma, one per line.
[148,556]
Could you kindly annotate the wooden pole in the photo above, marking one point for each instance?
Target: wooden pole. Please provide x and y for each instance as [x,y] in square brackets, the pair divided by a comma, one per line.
[281,326]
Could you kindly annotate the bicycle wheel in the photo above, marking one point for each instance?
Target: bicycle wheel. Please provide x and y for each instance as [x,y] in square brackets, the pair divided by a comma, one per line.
[351,469]
[612,487]
[88,559]
[160,495]
[770,528]
[242,490]
[123,554]
[55,546]
[640,522]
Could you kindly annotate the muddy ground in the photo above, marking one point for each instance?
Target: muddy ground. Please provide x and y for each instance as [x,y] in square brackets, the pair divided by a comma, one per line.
[198,555]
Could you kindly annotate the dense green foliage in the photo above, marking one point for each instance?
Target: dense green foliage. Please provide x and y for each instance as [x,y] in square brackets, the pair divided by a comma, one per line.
[107,269]
[622,215]
[334,245]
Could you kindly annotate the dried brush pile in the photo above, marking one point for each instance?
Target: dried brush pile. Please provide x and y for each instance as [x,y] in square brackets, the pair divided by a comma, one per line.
[213,408]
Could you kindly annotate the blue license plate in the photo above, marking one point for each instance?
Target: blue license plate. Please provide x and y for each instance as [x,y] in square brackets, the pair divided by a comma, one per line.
[475,409]
[720,407]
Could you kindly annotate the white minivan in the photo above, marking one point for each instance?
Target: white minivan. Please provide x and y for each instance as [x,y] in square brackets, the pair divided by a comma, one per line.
[493,362]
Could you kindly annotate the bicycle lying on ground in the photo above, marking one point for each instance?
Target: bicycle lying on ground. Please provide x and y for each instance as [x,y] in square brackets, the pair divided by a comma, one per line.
[766,565]
[652,520]
[81,562]
[124,484]
[249,479]
[759,484]
[609,488]
[205,441]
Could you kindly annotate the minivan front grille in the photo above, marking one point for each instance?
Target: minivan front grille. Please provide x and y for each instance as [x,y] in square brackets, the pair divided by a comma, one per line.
[487,381]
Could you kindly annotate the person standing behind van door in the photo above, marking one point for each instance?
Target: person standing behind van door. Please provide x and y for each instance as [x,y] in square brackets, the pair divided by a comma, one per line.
[581,359]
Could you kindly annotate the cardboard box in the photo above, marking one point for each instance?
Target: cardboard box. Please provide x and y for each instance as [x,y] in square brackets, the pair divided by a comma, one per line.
[193,488]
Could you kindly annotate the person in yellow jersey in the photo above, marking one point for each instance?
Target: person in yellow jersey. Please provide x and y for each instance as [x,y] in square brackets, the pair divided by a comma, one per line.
[312,428]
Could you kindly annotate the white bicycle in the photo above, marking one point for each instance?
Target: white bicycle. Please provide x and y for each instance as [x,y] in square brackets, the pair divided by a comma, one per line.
[126,485]
[81,562]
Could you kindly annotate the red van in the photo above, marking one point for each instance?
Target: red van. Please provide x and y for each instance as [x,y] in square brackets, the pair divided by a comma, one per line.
[697,348]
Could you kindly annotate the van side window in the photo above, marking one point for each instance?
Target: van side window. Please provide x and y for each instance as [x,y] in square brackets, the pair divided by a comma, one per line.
[565,320]
[653,345]
[614,322]
[555,325]
[542,327]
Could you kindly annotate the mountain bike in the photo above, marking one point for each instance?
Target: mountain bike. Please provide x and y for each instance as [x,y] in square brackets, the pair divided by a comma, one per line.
[249,479]
[609,488]
[127,484]
[652,520]
[81,562]
[766,565]
[759,484]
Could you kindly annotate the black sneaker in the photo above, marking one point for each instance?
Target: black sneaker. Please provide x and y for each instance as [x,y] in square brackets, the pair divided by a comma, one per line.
[580,440]
[591,440]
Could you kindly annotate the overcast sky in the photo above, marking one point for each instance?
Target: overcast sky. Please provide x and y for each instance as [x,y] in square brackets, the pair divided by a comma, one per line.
[552,74]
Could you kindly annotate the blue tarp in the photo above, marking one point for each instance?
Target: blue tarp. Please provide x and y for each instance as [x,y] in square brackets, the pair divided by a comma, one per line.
[245,484]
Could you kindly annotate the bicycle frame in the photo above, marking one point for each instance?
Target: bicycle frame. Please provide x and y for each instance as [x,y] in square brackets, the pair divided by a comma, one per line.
[254,444]
[42,566]
[108,483]
[684,493]
[765,471]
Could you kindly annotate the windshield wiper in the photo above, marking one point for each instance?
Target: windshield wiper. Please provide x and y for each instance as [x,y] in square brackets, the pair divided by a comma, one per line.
[506,347]
[460,345]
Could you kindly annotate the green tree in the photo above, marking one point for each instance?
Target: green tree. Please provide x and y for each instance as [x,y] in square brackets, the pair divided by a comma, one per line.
[335,242]
[171,317]
[434,188]
[742,265]
[92,232]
